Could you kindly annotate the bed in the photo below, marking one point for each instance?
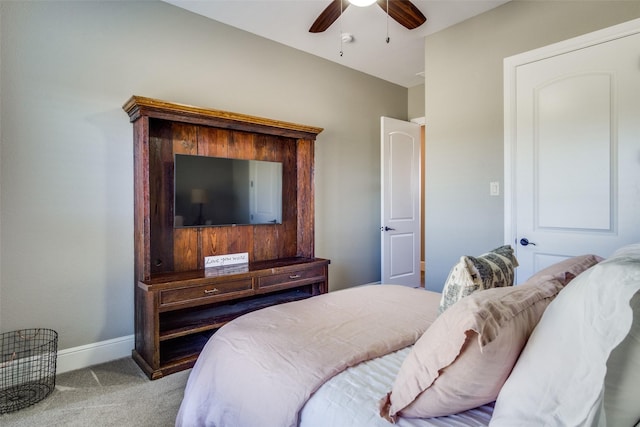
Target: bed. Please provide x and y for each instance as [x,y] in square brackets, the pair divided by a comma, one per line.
[481,353]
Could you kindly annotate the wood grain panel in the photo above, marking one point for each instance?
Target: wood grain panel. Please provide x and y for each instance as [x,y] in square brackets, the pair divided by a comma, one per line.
[227,240]
[146,341]
[305,195]
[185,249]
[270,148]
[141,199]
[214,241]
[266,244]
[240,239]
[184,140]
[289,228]
[242,146]
[161,196]
[213,142]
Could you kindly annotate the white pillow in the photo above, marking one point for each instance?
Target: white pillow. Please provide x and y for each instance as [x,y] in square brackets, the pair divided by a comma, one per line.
[622,382]
[559,379]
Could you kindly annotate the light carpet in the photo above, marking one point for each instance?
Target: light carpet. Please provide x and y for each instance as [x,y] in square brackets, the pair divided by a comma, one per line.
[117,393]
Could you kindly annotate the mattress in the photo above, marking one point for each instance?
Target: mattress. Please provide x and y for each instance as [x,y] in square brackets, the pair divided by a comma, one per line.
[350,399]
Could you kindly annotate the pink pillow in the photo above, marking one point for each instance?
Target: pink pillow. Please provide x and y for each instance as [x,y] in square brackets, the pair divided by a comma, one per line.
[566,270]
[465,357]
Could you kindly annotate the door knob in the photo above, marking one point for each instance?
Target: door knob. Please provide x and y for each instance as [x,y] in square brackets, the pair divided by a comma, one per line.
[525,242]
[385,228]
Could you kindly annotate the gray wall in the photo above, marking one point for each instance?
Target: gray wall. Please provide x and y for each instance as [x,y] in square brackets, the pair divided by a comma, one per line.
[66,147]
[464,116]
[416,101]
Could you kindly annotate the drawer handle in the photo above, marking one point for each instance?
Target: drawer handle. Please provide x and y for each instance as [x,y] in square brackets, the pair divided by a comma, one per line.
[212,291]
[294,276]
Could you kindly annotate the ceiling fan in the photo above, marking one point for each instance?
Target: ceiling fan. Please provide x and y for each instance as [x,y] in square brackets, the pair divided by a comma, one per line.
[403,11]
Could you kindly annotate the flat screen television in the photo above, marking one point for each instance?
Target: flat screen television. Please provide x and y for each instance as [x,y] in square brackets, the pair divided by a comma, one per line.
[215,191]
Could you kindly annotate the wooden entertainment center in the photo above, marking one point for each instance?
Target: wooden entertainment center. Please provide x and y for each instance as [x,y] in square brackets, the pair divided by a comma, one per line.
[178,303]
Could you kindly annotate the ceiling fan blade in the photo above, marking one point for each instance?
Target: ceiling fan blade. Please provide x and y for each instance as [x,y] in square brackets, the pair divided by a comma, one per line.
[329,16]
[405,12]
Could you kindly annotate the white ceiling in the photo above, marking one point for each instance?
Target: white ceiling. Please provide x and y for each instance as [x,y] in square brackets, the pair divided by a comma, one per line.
[287,21]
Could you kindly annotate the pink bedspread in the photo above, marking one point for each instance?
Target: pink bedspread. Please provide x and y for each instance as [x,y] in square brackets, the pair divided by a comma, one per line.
[260,369]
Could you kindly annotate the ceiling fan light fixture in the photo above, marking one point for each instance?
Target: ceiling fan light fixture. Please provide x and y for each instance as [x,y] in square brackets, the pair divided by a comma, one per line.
[362,3]
[346,37]
[404,12]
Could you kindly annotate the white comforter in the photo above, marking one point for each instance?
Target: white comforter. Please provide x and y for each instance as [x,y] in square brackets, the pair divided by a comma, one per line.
[260,369]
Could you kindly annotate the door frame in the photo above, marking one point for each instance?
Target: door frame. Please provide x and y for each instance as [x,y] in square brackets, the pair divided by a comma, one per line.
[510,66]
[422,122]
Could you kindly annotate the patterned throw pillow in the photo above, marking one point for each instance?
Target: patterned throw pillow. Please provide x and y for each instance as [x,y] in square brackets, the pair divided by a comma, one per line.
[491,270]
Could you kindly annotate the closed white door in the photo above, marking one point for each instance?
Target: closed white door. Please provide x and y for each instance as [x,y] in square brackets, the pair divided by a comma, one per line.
[400,226]
[576,153]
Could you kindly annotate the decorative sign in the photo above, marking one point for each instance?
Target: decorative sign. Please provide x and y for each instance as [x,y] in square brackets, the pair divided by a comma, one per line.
[229,259]
[225,270]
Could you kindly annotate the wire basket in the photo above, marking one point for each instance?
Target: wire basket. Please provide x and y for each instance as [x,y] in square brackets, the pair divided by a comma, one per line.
[27,367]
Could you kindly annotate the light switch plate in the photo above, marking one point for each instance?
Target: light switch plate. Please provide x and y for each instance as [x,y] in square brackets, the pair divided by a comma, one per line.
[494,188]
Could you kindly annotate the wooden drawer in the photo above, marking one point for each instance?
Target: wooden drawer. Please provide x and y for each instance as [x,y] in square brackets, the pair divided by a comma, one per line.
[292,278]
[212,291]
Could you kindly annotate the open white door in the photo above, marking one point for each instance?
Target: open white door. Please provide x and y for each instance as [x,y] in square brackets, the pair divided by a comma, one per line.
[573,144]
[400,224]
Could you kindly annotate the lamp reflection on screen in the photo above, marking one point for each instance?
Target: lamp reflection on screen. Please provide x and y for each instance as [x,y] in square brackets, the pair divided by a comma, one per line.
[199,197]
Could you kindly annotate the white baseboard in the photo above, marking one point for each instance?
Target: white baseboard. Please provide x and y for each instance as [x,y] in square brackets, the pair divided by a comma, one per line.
[74,358]
[371,283]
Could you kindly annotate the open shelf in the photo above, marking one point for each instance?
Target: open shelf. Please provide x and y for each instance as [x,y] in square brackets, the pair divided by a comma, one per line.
[183,349]
[174,324]
[183,333]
